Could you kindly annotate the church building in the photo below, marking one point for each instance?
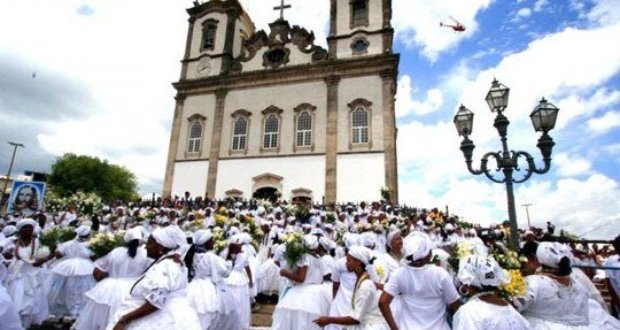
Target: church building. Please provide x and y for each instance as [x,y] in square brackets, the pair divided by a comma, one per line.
[269,113]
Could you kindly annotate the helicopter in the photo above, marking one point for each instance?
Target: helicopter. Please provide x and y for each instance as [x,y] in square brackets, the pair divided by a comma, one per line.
[457,27]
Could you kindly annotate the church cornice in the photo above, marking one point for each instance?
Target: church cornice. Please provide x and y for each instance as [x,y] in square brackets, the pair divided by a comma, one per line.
[344,68]
[361,31]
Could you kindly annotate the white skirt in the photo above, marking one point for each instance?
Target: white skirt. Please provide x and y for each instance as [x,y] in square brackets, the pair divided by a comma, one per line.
[67,294]
[270,279]
[176,314]
[28,295]
[74,267]
[9,318]
[300,305]
[102,302]
[238,286]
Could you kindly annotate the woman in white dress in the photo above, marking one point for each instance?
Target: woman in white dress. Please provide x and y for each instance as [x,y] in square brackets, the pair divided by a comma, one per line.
[118,271]
[306,299]
[207,293]
[240,279]
[158,299]
[72,276]
[343,283]
[426,290]
[365,314]
[485,310]
[25,280]
[556,299]
[9,318]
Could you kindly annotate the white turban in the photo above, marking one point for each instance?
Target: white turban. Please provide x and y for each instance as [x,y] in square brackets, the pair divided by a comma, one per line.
[26,222]
[82,231]
[170,237]
[350,240]
[236,239]
[479,271]
[327,244]
[9,230]
[132,234]
[417,246]
[368,240]
[311,242]
[361,253]
[550,253]
[245,238]
[391,235]
[202,236]
[260,210]
[449,227]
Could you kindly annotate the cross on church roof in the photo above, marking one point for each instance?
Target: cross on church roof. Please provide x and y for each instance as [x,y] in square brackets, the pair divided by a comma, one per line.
[281,8]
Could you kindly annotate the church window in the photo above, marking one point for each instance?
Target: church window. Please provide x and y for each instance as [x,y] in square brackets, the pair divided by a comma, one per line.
[240,134]
[359,124]
[360,46]
[272,128]
[195,137]
[304,130]
[209,30]
[359,13]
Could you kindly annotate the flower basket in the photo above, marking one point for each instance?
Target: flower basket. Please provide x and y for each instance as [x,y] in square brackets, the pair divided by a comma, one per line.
[102,244]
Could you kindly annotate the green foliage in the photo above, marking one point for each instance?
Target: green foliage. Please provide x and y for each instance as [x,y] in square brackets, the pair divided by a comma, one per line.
[72,173]
[56,236]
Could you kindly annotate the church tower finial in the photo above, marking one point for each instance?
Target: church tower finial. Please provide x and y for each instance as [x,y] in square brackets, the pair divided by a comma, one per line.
[281,8]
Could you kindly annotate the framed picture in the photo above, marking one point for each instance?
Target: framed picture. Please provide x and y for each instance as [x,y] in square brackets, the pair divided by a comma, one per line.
[26,197]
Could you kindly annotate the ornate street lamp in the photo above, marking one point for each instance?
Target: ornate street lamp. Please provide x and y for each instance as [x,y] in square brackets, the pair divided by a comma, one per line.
[543,119]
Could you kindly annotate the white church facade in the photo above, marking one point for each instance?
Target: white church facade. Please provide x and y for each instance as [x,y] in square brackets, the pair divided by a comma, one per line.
[259,113]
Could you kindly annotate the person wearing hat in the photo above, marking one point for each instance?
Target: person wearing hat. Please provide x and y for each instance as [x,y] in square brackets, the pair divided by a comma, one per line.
[24,282]
[426,290]
[480,278]
[365,312]
[207,292]
[305,299]
[556,298]
[116,272]
[72,276]
[159,296]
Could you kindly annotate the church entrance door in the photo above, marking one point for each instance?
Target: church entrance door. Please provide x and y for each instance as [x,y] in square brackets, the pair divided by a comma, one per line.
[267,193]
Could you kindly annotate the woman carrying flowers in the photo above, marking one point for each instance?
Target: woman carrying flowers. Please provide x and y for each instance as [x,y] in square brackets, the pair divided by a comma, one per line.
[480,279]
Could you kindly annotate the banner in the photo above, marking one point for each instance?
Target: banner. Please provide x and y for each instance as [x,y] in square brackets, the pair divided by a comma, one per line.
[26,197]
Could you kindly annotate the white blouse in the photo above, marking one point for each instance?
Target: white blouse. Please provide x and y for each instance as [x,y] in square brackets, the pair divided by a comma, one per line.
[479,315]
[118,264]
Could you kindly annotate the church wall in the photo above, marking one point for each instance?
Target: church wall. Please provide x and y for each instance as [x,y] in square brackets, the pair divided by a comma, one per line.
[285,97]
[190,176]
[375,17]
[369,88]
[240,34]
[203,105]
[360,177]
[297,172]
[215,67]
[375,47]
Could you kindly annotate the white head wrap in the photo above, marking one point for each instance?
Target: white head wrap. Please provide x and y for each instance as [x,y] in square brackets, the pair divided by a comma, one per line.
[311,242]
[449,227]
[391,235]
[9,230]
[132,234]
[368,240]
[26,222]
[417,246]
[236,239]
[260,210]
[245,238]
[350,240]
[170,237]
[202,236]
[479,271]
[327,244]
[82,231]
[361,253]
[550,253]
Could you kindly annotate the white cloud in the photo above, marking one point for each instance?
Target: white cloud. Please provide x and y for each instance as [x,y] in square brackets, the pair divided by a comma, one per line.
[605,123]
[522,13]
[605,12]
[571,165]
[406,105]
[539,4]
[417,23]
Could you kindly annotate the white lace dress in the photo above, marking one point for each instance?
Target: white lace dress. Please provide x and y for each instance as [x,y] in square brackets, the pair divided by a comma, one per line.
[106,297]
[163,285]
[479,315]
[551,306]
[70,278]
[304,302]
[366,307]
[9,319]
[25,285]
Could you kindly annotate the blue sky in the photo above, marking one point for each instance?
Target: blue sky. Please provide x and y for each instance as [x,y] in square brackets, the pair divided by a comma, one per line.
[104,69]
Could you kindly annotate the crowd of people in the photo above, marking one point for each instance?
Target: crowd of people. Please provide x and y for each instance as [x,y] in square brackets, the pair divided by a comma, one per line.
[199,264]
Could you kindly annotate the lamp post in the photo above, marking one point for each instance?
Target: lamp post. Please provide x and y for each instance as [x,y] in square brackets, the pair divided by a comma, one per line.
[543,119]
[8,175]
[527,211]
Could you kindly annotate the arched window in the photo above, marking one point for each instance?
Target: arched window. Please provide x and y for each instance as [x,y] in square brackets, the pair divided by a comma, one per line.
[240,134]
[359,13]
[209,30]
[272,129]
[359,125]
[304,130]
[196,124]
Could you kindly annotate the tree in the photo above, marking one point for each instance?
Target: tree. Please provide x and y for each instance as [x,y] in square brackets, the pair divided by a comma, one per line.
[72,173]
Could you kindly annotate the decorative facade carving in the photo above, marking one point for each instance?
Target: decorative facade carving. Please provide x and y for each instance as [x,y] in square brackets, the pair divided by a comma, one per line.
[267,180]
